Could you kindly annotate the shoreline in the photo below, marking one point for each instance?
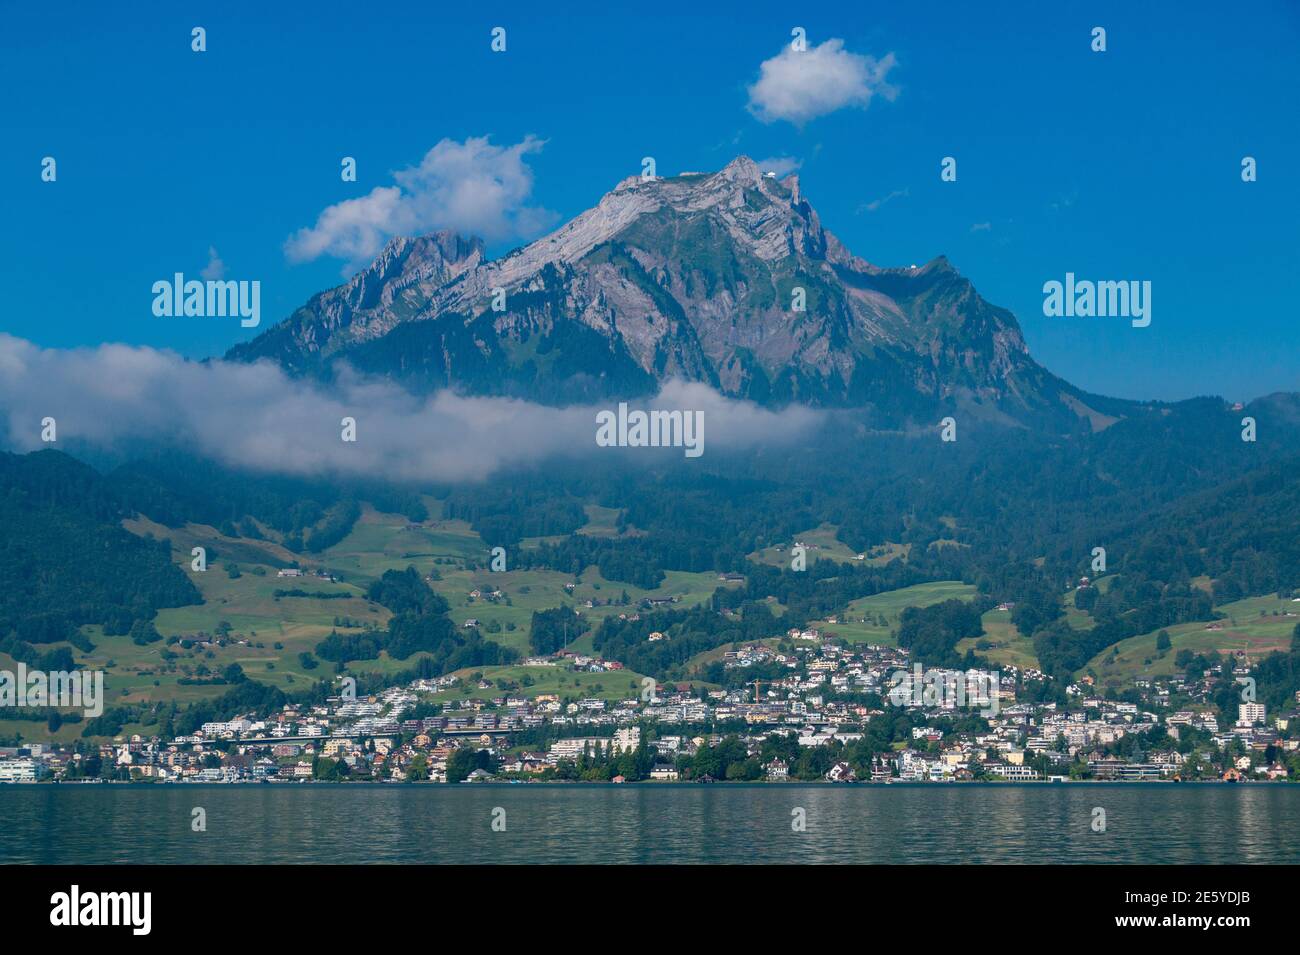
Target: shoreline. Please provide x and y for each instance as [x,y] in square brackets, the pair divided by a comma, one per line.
[663,784]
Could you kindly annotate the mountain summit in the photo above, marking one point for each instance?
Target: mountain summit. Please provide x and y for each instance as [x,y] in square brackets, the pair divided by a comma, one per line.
[727,278]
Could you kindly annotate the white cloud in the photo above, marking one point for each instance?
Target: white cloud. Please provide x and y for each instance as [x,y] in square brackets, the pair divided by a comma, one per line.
[875,204]
[982,227]
[116,397]
[781,165]
[799,86]
[473,187]
[1066,201]
[215,270]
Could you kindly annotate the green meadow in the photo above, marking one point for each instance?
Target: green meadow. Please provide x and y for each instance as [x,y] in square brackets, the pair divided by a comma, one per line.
[823,544]
[875,619]
[265,633]
[1256,626]
[1003,644]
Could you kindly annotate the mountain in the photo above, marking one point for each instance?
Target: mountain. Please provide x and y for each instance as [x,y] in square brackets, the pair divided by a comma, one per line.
[691,277]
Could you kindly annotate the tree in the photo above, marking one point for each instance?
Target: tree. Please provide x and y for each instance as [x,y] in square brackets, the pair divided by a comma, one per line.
[552,630]
[465,760]
[419,768]
[329,770]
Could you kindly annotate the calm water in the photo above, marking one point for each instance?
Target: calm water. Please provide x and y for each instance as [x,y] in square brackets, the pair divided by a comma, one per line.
[651,823]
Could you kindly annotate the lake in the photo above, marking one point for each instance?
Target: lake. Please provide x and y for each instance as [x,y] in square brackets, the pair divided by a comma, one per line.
[665,824]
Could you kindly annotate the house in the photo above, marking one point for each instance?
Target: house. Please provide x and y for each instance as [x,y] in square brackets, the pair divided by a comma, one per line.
[471,622]
[777,769]
[841,773]
[533,762]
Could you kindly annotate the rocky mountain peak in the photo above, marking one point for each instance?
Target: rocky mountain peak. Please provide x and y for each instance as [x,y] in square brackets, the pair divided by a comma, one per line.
[741,170]
[727,278]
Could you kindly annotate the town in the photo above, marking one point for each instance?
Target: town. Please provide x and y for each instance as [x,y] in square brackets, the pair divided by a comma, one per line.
[816,710]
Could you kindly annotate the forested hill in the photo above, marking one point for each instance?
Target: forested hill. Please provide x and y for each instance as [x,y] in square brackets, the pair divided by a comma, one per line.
[174,488]
[66,561]
[1190,515]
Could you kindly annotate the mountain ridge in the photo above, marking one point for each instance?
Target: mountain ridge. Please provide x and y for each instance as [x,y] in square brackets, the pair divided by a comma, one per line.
[699,276]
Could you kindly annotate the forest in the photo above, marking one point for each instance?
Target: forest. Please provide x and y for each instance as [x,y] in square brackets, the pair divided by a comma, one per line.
[1189,515]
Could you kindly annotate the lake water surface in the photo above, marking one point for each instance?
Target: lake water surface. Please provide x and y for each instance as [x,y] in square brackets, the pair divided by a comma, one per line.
[666,824]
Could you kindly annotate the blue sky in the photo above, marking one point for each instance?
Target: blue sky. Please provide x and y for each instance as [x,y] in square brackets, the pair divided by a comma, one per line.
[1115,165]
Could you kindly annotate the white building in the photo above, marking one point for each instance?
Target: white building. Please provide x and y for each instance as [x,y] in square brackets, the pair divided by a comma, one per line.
[1248,714]
[1013,772]
[628,738]
[21,771]
[576,746]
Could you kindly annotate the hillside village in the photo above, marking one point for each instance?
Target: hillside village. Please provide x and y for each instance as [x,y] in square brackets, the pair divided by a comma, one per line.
[830,712]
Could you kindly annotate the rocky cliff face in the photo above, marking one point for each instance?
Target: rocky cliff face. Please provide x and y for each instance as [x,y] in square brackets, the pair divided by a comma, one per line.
[726,278]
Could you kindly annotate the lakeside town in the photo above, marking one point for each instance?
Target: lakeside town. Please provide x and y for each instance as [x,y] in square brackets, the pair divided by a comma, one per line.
[816,710]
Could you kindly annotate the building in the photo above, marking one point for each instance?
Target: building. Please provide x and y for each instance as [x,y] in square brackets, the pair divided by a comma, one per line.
[22,771]
[1014,773]
[1137,772]
[627,738]
[576,746]
[1248,714]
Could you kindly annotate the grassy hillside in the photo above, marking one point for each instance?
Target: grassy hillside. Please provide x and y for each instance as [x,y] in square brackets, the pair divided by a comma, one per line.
[1002,644]
[874,619]
[1255,626]
[266,633]
[823,544]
